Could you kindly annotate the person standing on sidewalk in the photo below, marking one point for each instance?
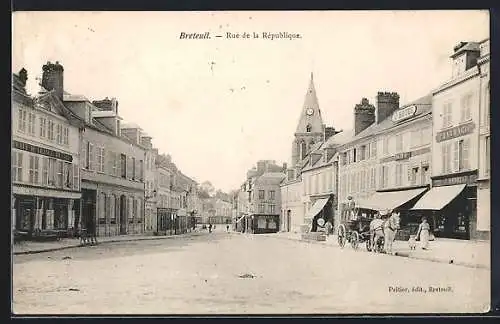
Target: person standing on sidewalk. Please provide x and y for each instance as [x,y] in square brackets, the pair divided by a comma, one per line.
[424,233]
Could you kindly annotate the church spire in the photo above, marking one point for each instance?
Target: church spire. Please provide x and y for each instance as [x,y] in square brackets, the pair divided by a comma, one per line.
[310,119]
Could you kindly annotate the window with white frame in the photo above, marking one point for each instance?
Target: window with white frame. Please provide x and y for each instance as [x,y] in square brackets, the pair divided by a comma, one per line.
[60,174]
[141,170]
[76,177]
[272,194]
[45,171]
[446,157]
[66,136]
[59,134]
[373,178]
[272,209]
[43,127]
[33,169]
[463,154]
[399,143]
[465,107]
[21,126]
[447,115]
[52,172]
[399,174]
[386,145]
[68,175]
[100,159]
[50,130]
[414,175]
[90,157]
[262,208]
[31,123]
[385,176]
[17,166]
[374,149]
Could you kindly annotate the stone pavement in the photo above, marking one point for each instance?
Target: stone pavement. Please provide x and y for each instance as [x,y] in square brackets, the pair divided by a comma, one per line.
[28,247]
[475,254]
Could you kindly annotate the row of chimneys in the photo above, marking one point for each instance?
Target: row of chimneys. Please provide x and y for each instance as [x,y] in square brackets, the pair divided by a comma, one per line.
[53,79]
[365,113]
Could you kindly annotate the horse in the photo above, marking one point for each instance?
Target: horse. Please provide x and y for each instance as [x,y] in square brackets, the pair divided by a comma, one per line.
[385,229]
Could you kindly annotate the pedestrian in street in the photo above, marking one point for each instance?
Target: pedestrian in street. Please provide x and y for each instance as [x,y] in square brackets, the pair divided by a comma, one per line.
[227,228]
[424,233]
[210,228]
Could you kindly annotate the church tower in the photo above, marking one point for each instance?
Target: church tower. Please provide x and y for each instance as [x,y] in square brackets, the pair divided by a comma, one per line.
[310,128]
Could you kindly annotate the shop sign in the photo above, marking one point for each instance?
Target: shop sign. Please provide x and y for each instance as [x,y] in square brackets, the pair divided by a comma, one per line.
[42,151]
[404,113]
[455,180]
[402,156]
[455,132]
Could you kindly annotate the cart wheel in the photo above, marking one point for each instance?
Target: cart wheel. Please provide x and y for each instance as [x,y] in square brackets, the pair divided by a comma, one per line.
[355,240]
[341,235]
[369,245]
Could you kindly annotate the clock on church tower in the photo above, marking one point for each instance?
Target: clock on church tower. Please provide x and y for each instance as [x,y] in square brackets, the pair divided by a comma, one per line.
[309,112]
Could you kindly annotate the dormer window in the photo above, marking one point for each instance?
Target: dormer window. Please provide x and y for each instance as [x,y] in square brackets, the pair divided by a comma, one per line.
[308,128]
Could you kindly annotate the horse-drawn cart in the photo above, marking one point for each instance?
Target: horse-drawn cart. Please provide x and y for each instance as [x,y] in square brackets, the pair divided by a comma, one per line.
[355,231]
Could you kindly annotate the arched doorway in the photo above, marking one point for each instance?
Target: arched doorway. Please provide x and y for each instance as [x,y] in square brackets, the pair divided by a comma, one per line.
[123,214]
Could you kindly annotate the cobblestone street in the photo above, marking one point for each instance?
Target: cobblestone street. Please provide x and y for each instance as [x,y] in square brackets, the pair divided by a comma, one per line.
[234,274]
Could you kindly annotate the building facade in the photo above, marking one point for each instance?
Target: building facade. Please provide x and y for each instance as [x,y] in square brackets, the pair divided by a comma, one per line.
[45,162]
[150,190]
[456,148]
[385,166]
[484,192]
[292,207]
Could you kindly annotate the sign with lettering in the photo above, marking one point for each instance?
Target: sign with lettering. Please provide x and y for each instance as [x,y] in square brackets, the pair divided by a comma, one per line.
[455,180]
[42,151]
[402,156]
[404,113]
[455,132]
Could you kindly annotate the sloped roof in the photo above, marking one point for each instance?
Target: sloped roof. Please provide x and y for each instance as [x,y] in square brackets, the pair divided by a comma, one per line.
[424,107]
[340,138]
[273,177]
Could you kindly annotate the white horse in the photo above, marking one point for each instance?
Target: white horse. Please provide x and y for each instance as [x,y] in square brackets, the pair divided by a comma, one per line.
[384,229]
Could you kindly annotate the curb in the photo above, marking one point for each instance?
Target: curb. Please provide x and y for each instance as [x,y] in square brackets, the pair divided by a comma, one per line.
[404,255]
[104,242]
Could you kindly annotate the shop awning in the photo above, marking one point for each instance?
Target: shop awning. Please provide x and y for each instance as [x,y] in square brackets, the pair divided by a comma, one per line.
[316,207]
[389,200]
[438,197]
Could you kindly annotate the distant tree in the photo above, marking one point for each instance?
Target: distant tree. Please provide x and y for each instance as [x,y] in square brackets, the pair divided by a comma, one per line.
[208,187]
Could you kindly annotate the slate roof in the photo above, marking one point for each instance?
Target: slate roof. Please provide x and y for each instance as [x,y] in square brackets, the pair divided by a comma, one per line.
[424,107]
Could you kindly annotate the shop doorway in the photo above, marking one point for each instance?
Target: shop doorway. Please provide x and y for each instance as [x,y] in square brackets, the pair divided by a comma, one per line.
[25,215]
[123,215]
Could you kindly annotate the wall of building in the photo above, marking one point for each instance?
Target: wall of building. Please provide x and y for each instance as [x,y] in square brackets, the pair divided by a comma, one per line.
[292,208]
[39,176]
[106,174]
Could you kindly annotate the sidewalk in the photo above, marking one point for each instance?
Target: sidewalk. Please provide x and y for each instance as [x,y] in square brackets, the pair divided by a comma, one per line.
[28,247]
[475,254]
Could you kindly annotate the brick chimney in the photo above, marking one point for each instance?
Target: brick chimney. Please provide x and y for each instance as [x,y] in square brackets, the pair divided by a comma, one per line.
[364,116]
[387,103]
[53,78]
[146,142]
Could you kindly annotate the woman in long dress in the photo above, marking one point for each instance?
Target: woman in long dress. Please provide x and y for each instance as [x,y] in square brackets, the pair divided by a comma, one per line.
[424,233]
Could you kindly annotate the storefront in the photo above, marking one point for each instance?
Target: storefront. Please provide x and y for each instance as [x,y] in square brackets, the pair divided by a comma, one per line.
[396,200]
[37,210]
[322,207]
[260,224]
[167,220]
[450,205]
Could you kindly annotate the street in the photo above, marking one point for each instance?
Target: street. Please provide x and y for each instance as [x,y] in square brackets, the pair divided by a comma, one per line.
[229,273]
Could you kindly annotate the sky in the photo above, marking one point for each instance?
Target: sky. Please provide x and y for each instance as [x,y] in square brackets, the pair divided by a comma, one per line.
[219,105]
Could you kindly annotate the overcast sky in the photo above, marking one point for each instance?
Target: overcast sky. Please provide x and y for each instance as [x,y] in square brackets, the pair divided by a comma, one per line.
[217,120]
